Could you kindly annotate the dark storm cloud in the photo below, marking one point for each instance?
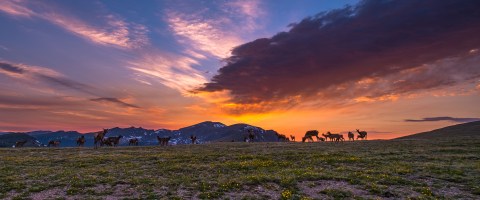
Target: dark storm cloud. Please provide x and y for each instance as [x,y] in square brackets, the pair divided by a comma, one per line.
[115,101]
[434,119]
[11,68]
[373,39]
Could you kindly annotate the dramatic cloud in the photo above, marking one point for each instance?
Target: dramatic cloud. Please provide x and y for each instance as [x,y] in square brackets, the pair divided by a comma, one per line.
[450,72]
[109,30]
[393,45]
[114,100]
[434,119]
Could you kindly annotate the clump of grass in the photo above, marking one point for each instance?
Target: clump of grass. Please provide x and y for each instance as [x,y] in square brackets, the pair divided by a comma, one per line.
[286,194]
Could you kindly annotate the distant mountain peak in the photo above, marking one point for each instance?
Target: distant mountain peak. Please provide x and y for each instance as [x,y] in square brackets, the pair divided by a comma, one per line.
[210,123]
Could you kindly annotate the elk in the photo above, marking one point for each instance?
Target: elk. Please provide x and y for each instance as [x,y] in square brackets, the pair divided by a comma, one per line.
[251,136]
[327,136]
[193,138]
[351,136]
[81,141]
[309,137]
[282,138]
[112,141]
[336,137]
[312,133]
[361,134]
[98,137]
[106,142]
[53,143]
[163,141]
[133,141]
[20,143]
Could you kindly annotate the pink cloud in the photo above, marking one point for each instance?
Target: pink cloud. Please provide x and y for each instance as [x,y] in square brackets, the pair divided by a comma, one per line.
[204,35]
[171,70]
[117,33]
[250,10]
[113,32]
[215,33]
[15,8]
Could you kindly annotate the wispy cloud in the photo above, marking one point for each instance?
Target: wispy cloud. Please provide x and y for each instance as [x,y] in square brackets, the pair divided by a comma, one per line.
[11,68]
[172,70]
[36,76]
[202,34]
[117,32]
[16,8]
[434,119]
[250,12]
[115,101]
[111,31]
[214,31]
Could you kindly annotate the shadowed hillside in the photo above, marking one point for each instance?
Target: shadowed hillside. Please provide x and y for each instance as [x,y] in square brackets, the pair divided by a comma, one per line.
[470,129]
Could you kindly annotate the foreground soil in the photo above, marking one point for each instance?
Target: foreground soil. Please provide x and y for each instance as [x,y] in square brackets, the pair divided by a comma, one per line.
[394,169]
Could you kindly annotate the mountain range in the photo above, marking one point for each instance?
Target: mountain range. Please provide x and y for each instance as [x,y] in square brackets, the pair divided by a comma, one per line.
[205,132]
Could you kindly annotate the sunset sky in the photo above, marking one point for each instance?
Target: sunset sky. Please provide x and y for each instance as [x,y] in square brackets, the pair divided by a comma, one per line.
[388,67]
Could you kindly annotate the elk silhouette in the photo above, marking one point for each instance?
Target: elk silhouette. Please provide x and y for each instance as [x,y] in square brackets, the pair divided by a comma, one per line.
[351,136]
[282,138]
[361,134]
[292,137]
[133,141]
[311,133]
[98,137]
[193,138]
[163,141]
[112,141]
[20,143]
[81,141]
[251,136]
[53,143]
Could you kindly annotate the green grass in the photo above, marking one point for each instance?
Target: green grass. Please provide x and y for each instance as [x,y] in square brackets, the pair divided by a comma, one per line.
[357,170]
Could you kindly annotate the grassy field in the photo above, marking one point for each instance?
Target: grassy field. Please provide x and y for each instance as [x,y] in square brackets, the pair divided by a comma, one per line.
[392,169]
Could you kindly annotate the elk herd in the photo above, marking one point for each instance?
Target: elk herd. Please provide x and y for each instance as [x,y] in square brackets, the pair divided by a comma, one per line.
[99,138]
[339,137]
[328,136]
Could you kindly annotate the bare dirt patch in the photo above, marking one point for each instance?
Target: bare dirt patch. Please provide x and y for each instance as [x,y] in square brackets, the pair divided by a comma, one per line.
[47,194]
[265,191]
[313,189]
